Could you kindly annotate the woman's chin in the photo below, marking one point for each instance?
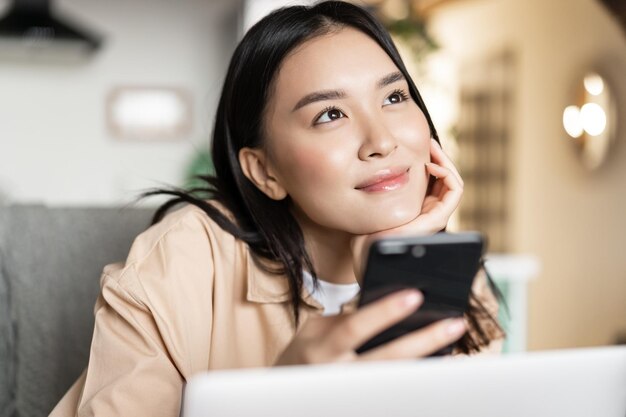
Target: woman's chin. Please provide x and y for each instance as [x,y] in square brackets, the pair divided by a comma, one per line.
[378,222]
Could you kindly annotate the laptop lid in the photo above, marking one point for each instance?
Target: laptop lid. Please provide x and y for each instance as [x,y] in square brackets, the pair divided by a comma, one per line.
[578,382]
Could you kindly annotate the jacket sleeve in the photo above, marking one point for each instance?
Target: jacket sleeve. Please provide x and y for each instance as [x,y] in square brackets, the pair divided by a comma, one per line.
[130,370]
[152,331]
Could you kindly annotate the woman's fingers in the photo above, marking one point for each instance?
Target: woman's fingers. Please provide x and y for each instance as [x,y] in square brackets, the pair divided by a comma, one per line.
[335,339]
[442,172]
[439,157]
[454,191]
[419,343]
[357,328]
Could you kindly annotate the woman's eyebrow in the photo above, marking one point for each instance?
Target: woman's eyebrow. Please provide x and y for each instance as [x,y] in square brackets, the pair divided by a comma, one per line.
[390,79]
[319,96]
[338,94]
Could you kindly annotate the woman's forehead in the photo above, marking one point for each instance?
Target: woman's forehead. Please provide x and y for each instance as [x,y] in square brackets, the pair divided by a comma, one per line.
[344,59]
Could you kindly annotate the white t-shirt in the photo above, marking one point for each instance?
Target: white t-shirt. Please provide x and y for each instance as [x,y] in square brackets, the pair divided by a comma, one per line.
[331,296]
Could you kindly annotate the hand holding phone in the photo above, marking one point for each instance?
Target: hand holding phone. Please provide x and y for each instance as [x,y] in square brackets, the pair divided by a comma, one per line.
[332,339]
[441,266]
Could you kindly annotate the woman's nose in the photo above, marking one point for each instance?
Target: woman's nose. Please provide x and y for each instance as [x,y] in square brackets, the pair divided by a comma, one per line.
[378,142]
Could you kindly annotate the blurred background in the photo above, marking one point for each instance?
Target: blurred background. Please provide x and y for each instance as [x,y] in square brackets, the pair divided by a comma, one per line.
[101,100]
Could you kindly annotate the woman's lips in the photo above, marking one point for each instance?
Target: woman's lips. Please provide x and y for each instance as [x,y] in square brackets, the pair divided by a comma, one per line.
[385,180]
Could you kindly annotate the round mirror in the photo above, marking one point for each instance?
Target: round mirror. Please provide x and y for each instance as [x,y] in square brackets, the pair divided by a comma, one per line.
[590,120]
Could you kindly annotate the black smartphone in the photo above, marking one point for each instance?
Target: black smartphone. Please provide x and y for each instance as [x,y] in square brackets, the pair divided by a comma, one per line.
[441,266]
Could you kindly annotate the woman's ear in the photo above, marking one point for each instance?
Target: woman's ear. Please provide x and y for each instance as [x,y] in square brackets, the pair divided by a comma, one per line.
[256,167]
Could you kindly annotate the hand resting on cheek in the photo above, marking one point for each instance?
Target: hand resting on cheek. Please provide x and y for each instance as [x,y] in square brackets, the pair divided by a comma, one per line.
[443,198]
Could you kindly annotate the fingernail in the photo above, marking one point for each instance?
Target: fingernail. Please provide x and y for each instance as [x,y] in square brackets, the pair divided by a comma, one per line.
[411,299]
[455,327]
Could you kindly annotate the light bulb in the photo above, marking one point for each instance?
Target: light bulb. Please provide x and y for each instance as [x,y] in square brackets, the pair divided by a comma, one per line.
[594,84]
[572,121]
[593,119]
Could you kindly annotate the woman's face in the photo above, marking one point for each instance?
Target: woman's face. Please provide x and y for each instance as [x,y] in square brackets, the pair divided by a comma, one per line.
[343,137]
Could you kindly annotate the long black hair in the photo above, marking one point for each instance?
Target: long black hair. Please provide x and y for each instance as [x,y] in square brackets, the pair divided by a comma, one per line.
[267,226]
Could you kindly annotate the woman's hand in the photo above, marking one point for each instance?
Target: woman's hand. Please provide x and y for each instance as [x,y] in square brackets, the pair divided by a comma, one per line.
[336,338]
[436,210]
[443,199]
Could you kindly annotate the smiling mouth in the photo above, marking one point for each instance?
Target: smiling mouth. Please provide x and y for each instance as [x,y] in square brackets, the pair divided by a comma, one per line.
[388,180]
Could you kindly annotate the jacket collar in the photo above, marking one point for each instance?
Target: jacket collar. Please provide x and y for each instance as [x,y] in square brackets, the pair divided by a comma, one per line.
[265,287]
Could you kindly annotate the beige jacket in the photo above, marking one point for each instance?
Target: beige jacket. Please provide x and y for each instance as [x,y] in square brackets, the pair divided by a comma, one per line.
[189,298]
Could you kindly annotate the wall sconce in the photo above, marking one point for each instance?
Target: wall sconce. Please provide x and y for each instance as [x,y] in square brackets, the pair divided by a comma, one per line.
[149,113]
[591,120]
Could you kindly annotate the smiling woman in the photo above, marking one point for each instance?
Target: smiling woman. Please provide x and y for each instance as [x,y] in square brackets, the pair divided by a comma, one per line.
[321,144]
[352,130]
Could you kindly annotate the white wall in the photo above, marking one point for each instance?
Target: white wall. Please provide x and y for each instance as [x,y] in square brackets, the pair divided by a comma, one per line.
[54,146]
[574,220]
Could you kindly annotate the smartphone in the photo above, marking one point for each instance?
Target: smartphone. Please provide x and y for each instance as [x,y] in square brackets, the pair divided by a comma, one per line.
[441,266]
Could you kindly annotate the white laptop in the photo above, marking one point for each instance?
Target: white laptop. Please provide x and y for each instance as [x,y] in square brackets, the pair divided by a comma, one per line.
[570,383]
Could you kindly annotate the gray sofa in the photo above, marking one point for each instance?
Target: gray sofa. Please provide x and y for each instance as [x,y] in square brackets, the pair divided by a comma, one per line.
[50,265]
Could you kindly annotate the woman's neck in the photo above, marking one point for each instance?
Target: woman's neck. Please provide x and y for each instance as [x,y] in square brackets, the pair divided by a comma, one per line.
[329,251]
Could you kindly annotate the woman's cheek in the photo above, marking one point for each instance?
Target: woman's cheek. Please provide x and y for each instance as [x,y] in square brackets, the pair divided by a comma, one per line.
[414,130]
[419,142]
[323,164]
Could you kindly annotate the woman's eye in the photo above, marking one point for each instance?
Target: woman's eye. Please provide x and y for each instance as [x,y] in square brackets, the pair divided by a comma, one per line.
[396,97]
[328,115]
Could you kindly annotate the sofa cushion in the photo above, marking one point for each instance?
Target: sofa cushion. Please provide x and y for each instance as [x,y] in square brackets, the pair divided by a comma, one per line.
[50,265]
